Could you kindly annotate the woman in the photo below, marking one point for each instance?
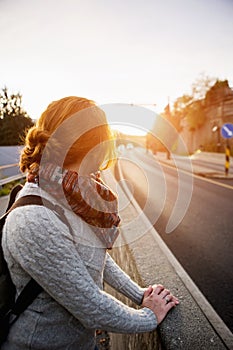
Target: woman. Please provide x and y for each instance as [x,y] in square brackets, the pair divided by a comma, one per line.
[63,153]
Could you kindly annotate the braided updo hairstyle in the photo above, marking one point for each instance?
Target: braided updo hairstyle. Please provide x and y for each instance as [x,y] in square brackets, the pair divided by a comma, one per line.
[56,113]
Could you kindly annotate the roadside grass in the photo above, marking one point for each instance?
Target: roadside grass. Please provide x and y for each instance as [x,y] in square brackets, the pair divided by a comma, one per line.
[5,189]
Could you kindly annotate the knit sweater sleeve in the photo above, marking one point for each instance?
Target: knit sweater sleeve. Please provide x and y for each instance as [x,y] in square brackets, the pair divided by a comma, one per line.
[44,248]
[120,281]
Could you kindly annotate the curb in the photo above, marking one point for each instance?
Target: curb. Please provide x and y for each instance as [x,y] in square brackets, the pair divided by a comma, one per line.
[206,174]
[215,175]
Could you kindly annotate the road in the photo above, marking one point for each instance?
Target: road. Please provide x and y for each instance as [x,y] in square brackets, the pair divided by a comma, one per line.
[198,214]
[9,155]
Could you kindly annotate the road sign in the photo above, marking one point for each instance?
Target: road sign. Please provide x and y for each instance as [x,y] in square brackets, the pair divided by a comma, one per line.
[227,130]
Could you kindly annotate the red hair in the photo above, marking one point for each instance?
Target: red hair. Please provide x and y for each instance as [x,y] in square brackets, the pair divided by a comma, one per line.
[53,118]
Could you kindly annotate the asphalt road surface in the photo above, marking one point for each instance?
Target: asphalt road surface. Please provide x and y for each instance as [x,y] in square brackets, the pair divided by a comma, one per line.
[201,229]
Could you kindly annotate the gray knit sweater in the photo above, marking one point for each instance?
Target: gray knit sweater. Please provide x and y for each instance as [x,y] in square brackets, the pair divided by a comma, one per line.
[71,269]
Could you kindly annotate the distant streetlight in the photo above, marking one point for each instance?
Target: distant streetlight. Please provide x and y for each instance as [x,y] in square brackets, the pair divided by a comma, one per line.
[143,104]
[216,128]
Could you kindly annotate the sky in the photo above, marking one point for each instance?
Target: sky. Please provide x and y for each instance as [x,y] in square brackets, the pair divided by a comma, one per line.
[140,52]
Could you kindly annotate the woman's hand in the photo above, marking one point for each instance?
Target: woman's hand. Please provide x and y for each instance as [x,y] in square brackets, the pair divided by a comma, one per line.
[159,300]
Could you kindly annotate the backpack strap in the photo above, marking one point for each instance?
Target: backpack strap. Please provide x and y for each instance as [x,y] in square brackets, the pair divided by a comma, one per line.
[13,195]
[25,298]
[32,288]
[38,200]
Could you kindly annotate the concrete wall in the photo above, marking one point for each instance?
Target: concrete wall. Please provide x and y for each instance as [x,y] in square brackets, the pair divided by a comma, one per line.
[140,341]
[189,326]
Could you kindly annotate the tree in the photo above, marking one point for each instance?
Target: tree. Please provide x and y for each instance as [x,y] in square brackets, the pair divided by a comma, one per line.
[200,87]
[173,116]
[14,120]
[192,107]
[164,133]
[195,115]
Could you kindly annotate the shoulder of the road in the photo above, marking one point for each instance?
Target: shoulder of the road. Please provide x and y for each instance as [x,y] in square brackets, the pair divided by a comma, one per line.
[199,170]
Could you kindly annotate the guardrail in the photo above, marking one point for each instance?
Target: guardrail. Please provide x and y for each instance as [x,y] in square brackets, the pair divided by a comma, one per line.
[7,179]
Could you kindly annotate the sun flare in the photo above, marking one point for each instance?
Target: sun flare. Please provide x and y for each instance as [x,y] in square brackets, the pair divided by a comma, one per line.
[128,130]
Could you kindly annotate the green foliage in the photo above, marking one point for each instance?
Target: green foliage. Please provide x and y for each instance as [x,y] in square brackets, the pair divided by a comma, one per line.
[5,189]
[14,120]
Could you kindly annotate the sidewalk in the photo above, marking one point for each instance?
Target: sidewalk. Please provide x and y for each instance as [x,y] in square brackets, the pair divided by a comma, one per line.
[188,164]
